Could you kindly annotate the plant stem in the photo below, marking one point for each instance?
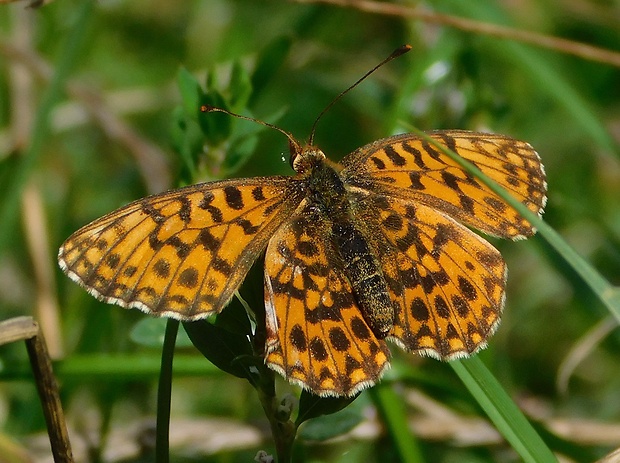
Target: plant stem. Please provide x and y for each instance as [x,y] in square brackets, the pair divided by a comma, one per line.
[282,431]
[162,444]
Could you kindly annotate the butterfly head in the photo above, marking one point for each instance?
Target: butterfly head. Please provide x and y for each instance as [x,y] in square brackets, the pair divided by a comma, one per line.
[304,159]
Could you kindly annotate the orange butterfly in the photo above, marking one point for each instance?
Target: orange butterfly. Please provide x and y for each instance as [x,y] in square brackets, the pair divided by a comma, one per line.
[368,250]
[357,253]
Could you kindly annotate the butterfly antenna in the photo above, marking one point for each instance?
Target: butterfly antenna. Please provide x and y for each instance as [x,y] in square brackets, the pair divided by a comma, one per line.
[294,145]
[395,54]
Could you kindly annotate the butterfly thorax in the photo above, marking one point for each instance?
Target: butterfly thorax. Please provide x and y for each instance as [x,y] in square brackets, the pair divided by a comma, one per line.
[329,195]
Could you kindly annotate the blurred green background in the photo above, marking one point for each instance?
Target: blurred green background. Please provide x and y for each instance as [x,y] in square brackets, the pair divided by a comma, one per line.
[114,136]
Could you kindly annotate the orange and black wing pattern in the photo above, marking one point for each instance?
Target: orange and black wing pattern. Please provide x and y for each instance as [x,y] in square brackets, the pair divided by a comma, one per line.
[409,167]
[446,283]
[403,206]
[316,334]
[181,253]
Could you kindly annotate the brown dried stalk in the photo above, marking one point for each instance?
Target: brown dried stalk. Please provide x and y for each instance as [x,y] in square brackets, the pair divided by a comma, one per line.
[570,47]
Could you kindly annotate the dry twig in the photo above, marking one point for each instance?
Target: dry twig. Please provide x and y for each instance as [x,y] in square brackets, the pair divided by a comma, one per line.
[570,47]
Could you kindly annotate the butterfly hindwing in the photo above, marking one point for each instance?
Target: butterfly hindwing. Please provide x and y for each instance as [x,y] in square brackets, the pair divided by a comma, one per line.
[316,334]
[446,282]
[181,253]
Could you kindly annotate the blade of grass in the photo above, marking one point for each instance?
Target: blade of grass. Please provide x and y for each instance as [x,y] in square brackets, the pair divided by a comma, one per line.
[394,416]
[117,367]
[40,129]
[504,413]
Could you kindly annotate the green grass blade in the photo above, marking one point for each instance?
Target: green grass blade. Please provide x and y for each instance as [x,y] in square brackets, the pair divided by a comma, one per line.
[40,129]
[536,66]
[504,413]
[114,367]
[394,416]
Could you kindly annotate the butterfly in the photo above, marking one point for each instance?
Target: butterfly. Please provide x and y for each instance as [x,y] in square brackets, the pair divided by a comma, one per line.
[372,249]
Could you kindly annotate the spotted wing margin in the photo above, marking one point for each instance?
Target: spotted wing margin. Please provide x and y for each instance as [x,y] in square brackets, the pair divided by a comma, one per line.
[182,253]
[409,167]
[316,334]
[446,282]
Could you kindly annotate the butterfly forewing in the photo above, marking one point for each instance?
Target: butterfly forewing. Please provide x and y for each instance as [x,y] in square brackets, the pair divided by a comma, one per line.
[409,167]
[316,334]
[182,253]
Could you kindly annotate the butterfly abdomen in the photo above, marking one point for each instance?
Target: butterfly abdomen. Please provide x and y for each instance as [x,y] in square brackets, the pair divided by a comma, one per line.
[364,273]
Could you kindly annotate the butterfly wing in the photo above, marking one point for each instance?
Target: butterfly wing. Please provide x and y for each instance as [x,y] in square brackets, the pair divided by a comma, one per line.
[447,283]
[316,335]
[181,253]
[410,168]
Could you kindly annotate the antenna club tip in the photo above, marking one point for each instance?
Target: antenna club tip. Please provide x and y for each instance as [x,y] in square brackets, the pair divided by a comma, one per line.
[401,50]
[207,108]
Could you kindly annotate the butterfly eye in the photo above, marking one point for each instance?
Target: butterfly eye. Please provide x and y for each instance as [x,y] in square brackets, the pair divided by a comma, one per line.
[295,151]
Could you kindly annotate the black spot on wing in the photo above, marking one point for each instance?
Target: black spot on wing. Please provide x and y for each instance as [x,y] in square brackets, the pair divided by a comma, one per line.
[467,289]
[257,193]
[379,164]
[189,277]
[318,350]
[208,241]
[162,268]
[359,328]
[394,156]
[248,227]
[338,339]
[185,209]
[298,338]
[233,198]
[112,260]
[182,249]
[205,203]
[419,310]
[417,155]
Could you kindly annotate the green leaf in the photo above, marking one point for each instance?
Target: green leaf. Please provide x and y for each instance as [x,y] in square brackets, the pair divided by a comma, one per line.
[269,62]
[150,332]
[190,91]
[187,139]
[211,82]
[243,146]
[240,87]
[223,348]
[234,319]
[312,406]
[329,426]
[241,150]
